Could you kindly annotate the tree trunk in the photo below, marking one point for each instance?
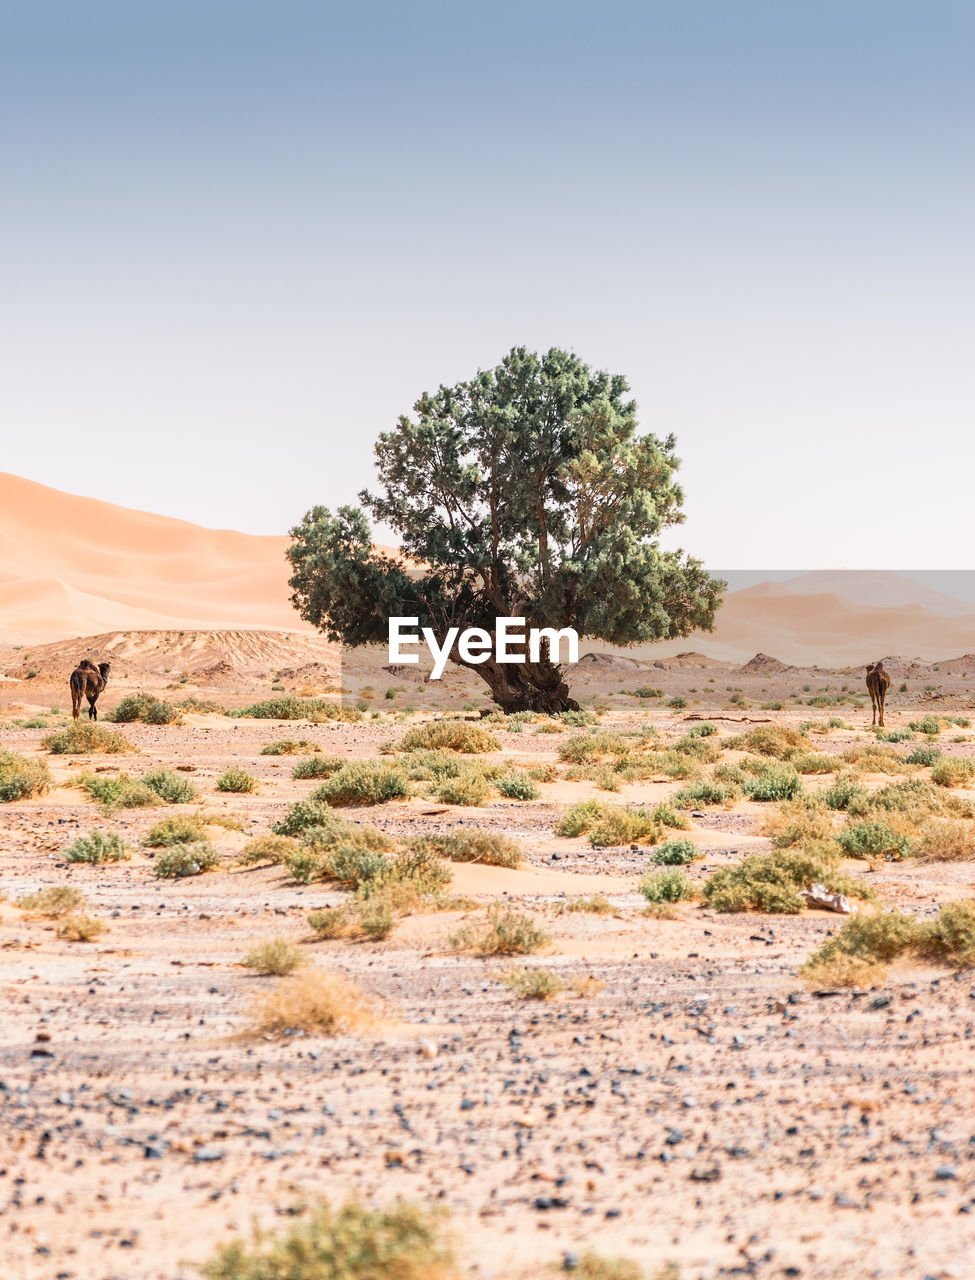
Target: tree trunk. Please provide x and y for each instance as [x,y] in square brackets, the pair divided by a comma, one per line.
[528,686]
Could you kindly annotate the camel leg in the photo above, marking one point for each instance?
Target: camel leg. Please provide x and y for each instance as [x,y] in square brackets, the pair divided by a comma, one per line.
[881,698]
[873,704]
[92,711]
[75,704]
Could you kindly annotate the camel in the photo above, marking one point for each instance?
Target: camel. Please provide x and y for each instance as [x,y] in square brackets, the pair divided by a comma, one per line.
[878,682]
[87,681]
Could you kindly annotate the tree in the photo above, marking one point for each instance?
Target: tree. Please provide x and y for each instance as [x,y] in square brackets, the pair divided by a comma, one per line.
[523,492]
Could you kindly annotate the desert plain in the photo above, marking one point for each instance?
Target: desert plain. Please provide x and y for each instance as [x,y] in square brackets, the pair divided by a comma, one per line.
[685,1100]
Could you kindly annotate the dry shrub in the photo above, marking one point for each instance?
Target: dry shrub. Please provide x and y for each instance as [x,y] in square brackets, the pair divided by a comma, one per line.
[618,826]
[504,933]
[449,735]
[315,1002]
[577,819]
[950,936]
[776,740]
[489,848]
[875,759]
[796,823]
[854,972]
[274,849]
[79,927]
[290,747]
[813,762]
[404,1242]
[175,830]
[595,905]
[584,984]
[274,957]
[21,777]
[57,900]
[532,984]
[85,737]
[944,841]
[952,771]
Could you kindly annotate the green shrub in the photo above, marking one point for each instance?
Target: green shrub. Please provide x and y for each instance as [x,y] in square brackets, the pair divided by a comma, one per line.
[315,710]
[97,847]
[362,782]
[782,783]
[355,867]
[924,754]
[704,791]
[647,691]
[771,882]
[274,957]
[676,853]
[669,816]
[304,865]
[668,885]
[403,1242]
[22,777]
[468,788]
[144,707]
[504,933]
[179,860]
[169,786]
[120,792]
[578,818]
[579,748]
[85,737]
[334,922]
[461,845]
[952,771]
[290,747]
[303,814]
[844,792]
[677,702]
[929,724]
[517,786]
[703,730]
[872,839]
[317,766]
[895,735]
[449,735]
[236,780]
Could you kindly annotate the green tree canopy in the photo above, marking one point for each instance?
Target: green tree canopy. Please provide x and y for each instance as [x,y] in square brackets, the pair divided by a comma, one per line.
[523,492]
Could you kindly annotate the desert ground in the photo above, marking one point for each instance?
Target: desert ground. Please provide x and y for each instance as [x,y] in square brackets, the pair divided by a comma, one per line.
[686,1099]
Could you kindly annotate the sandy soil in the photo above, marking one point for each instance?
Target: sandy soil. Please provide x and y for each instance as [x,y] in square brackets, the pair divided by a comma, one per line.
[701,1108]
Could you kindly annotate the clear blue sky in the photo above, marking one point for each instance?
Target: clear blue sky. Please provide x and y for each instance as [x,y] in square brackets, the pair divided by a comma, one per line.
[239,239]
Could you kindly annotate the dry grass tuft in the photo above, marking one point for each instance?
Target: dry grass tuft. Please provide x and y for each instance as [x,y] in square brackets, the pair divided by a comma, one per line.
[449,735]
[403,1242]
[79,927]
[85,737]
[274,957]
[57,900]
[489,848]
[533,984]
[21,777]
[503,933]
[315,1002]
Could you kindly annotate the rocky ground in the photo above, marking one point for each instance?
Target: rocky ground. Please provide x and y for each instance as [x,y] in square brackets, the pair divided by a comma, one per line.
[700,1107]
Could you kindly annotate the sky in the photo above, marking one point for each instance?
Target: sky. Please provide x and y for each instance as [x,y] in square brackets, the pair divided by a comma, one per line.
[239,239]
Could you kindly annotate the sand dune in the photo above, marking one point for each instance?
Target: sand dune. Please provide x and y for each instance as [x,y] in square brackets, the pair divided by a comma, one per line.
[74,566]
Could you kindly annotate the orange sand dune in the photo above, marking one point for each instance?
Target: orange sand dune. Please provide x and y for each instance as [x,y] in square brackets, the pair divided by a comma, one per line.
[73,566]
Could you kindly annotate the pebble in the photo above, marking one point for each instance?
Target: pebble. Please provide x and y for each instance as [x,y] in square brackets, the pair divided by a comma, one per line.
[206,1154]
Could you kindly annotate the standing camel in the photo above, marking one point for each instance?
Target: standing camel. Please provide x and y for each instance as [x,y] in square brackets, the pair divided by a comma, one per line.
[87,681]
[878,682]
